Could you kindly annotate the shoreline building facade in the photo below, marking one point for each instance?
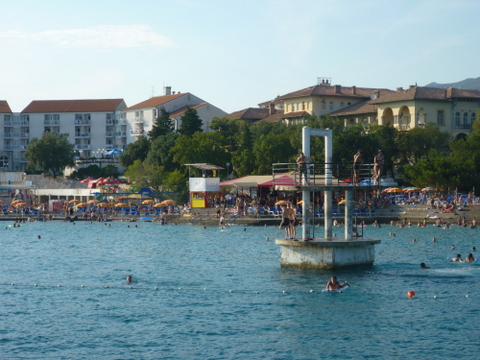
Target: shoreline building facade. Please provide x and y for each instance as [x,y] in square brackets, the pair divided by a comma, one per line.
[140,118]
[90,125]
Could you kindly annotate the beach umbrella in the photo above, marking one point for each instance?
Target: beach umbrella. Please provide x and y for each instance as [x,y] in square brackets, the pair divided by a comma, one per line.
[121,205]
[342,202]
[74,201]
[300,202]
[148,202]
[168,201]
[16,201]
[429,189]
[21,204]
[282,202]
[157,205]
[82,205]
[87,180]
[105,205]
[93,201]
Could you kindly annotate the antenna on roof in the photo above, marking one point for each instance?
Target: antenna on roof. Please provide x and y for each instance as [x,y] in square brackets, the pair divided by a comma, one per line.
[324,81]
[153,91]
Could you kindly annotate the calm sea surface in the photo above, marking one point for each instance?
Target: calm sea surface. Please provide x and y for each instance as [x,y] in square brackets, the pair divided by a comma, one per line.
[207,293]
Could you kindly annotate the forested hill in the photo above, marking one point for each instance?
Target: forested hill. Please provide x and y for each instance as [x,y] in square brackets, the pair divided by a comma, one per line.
[467,84]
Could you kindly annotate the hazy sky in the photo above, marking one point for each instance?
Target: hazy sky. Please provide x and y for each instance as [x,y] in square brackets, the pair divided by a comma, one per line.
[233,54]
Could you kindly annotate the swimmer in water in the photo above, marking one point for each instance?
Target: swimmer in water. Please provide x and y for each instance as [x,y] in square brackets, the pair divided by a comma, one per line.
[452,247]
[129,279]
[333,284]
[470,258]
[423,266]
[473,248]
[457,258]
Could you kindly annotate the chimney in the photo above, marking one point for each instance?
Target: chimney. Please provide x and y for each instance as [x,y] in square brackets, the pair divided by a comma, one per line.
[167,90]
[337,89]
[354,89]
[399,89]
[271,108]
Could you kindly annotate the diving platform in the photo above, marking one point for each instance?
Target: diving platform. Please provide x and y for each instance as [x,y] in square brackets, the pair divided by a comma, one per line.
[328,252]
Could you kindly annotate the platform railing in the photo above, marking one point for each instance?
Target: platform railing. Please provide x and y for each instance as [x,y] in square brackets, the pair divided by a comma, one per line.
[313,174]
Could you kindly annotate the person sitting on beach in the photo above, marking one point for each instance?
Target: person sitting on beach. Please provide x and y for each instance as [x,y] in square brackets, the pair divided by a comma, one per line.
[457,258]
[333,284]
[470,258]
[423,266]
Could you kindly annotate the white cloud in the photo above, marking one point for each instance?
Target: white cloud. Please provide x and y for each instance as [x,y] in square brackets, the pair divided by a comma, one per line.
[101,37]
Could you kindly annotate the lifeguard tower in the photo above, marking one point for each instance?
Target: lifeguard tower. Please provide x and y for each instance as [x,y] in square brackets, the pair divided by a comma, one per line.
[200,187]
[327,252]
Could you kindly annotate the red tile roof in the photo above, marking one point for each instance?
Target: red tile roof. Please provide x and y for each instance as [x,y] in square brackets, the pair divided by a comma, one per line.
[181,111]
[329,90]
[250,114]
[50,106]
[155,101]
[427,93]
[4,107]
[296,114]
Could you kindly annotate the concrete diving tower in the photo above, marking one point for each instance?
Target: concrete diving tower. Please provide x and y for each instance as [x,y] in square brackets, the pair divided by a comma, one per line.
[328,252]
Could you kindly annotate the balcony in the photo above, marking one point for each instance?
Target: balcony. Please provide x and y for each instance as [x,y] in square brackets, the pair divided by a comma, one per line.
[109,134]
[24,135]
[109,122]
[121,122]
[7,147]
[121,133]
[139,120]
[82,122]
[137,132]
[23,147]
[109,147]
[82,135]
[462,126]
[7,135]
[8,123]
[51,122]
[82,147]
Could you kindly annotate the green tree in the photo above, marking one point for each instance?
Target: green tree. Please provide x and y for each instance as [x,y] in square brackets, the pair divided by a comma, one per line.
[52,153]
[190,123]
[272,148]
[145,175]
[162,126]
[160,152]
[138,150]
[201,148]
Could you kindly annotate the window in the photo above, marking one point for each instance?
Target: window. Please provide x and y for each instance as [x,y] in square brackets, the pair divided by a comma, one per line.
[303,106]
[341,104]
[324,105]
[56,117]
[440,117]
[331,105]
[457,118]
[473,118]
[78,117]
[465,118]
[86,116]
[293,107]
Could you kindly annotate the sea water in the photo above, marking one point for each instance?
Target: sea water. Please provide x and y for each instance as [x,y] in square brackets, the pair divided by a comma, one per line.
[212,293]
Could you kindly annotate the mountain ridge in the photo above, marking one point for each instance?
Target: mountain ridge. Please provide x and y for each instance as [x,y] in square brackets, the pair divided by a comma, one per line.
[466,84]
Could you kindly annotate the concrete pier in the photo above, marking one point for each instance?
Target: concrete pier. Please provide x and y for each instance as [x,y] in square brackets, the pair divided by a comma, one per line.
[327,254]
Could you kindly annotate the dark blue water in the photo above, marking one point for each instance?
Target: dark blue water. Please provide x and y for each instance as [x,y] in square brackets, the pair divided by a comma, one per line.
[213,294]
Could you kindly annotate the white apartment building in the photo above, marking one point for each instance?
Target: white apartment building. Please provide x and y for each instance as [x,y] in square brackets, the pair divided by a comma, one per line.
[93,126]
[141,117]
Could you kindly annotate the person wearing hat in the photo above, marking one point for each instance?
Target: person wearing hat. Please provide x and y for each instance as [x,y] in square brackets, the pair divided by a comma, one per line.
[378,161]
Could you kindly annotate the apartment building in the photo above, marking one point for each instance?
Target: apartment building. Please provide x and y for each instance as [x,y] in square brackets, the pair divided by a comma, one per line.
[93,126]
[141,117]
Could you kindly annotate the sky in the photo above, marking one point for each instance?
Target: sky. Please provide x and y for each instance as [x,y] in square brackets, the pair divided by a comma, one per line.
[232,54]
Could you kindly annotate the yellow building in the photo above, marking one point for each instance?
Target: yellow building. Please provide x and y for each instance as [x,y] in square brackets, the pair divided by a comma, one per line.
[453,110]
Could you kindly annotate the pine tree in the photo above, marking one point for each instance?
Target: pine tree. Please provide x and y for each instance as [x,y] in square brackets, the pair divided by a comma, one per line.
[191,123]
[163,125]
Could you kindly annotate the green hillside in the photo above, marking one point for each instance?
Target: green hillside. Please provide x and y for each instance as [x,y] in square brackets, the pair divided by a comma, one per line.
[467,84]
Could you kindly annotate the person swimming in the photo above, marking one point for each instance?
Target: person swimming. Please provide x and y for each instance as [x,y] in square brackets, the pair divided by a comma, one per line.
[470,258]
[129,279]
[423,266]
[333,284]
[457,258]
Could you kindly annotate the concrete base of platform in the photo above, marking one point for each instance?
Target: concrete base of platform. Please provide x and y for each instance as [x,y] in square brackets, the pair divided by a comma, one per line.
[322,253]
